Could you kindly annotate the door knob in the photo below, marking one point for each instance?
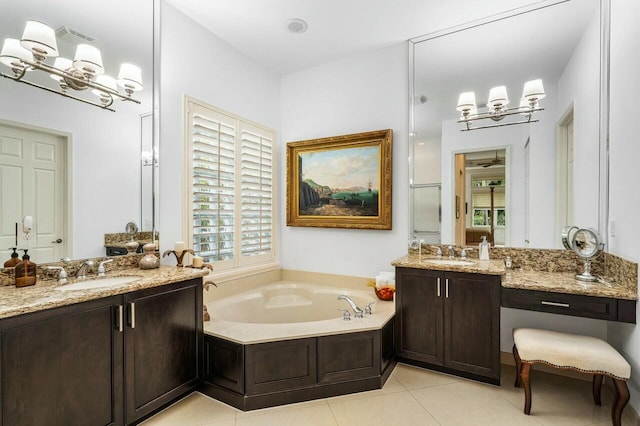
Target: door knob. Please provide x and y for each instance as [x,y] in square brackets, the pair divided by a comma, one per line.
[58,241]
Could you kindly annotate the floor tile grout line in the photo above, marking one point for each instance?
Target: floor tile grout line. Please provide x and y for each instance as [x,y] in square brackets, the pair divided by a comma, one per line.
[335,419]
[423,407]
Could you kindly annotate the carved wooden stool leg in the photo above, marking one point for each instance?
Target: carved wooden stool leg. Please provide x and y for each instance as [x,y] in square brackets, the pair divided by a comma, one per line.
[526,370]
[597,385]
[620,400]
[516,356]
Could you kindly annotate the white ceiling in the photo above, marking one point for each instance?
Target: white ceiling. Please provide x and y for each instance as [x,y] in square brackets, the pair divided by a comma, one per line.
[337,28]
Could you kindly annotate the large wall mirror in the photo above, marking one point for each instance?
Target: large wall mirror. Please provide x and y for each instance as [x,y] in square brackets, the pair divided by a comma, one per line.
[78,170]
[518,184]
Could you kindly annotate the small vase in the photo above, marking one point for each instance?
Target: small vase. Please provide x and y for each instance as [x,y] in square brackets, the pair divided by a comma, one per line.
[149,260]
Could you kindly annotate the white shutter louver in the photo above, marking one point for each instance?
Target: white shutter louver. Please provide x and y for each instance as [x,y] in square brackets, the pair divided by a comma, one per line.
[232,193]
[213,146]
[256,193]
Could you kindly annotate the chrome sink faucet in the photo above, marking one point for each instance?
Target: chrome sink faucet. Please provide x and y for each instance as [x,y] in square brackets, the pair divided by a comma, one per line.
[451,252]
[358,313]
[62,275]
[82,272]
[101,269]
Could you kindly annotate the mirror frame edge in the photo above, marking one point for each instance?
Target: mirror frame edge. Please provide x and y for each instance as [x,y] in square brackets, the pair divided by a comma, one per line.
[155,131]
[605,105]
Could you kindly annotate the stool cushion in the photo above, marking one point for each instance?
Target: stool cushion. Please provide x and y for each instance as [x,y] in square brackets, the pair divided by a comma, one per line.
[563,350]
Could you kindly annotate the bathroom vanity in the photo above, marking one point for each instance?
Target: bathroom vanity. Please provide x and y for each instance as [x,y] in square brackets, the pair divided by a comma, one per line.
[448,310]
[449,321]
[103,356]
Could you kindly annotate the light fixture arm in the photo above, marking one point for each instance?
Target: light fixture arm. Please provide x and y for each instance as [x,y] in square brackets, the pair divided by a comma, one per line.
[81,82]
[39,42]
[468,118]
[66,95]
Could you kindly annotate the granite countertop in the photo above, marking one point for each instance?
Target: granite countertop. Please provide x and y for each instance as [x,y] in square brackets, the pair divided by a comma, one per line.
[524,279]
[43,295]
[474,266]
[564,282]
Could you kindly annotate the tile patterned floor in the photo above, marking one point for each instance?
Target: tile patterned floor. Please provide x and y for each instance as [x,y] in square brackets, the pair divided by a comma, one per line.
[414,396]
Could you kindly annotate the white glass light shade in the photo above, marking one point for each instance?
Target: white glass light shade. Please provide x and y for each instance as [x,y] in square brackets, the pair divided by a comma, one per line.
[88,60]
[61,64]
[106,81]
[533,90]
[498,96]
[466,101]
[12,52]
[130,77]
[40,39]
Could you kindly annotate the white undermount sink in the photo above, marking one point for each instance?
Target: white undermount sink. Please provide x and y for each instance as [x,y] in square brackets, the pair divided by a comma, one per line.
[98,283]
[449,262]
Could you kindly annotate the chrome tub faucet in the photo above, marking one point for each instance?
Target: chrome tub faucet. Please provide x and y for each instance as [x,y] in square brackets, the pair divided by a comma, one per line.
[358,313]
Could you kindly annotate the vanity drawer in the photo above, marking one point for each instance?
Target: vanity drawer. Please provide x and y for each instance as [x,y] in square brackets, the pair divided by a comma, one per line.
[560,303]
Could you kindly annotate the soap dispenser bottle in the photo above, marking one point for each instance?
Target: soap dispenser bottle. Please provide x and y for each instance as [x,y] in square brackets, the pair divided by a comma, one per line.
[25,272]
[11,263]
[483,249]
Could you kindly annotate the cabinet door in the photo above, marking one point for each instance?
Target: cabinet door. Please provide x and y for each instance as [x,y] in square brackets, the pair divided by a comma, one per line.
[472,324]
[419,315]
[63,366]
[163,345]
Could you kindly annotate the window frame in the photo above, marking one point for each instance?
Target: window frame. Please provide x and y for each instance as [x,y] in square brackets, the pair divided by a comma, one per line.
[239,265]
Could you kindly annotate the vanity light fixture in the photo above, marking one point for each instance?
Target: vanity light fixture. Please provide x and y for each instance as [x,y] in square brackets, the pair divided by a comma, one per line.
[497,108]
[39,43]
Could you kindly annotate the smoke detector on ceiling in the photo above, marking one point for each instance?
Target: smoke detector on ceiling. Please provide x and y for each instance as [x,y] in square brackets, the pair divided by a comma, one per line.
[297,25]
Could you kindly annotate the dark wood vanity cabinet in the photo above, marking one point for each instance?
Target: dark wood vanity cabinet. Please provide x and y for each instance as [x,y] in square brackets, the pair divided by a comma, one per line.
[78,364]
[163,346]
[449,321]
[63,366]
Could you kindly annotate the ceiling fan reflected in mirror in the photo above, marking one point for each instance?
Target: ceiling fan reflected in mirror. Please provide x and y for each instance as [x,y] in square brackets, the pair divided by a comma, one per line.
[497,161]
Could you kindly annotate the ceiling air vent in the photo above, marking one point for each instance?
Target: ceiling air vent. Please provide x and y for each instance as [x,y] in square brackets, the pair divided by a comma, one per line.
[72,36]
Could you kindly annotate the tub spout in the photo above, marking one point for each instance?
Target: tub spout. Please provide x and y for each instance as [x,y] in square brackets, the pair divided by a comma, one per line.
[356,311]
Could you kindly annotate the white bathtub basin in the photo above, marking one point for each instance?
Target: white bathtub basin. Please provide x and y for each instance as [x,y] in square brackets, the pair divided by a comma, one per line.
[98,283]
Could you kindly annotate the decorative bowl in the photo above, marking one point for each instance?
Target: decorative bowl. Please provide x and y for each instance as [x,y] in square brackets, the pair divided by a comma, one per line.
[384,293]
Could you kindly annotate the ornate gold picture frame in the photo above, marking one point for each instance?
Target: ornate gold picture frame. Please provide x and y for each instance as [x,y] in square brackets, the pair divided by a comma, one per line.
[340,181]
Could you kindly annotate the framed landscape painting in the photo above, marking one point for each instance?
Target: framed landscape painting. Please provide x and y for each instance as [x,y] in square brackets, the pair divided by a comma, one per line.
[340,181]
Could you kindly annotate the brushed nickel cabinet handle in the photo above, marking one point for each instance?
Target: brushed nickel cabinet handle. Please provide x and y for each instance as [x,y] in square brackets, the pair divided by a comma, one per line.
[560,305]
[120,318]
[132,314]
[446,288]
[438,286]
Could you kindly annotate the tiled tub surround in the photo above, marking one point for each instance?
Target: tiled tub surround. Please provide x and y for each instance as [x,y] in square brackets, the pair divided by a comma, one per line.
[16,301]
[541,269]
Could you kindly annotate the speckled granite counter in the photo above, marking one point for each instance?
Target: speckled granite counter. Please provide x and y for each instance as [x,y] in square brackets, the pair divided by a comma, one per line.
[17,301]
[487,267]
[564,282]
[524,279]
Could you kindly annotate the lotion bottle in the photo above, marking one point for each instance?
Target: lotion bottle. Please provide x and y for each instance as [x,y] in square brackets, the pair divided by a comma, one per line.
[11,263]
[25,272]
[483,250]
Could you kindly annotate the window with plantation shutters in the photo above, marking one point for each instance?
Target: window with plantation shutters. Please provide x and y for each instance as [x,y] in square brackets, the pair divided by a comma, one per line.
[256,191]
[231,193]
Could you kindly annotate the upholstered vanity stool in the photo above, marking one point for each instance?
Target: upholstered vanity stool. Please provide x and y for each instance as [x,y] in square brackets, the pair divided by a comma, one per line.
[569,351]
